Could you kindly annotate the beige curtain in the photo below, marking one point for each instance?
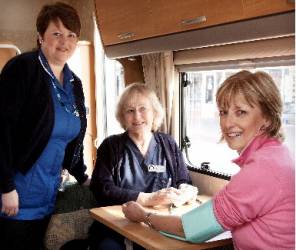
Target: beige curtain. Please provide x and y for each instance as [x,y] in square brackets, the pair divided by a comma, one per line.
[159,75]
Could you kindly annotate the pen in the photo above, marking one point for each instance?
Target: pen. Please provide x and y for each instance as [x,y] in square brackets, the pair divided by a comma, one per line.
[169,182]
[171,204]
[171,208]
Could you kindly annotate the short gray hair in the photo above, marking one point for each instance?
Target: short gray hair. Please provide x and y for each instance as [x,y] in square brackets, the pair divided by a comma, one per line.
[144,90]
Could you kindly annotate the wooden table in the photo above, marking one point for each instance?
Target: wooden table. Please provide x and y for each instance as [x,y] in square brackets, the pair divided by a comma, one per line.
[148,238]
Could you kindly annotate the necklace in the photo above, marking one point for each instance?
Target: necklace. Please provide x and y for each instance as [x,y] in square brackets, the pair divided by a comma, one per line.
[75,111]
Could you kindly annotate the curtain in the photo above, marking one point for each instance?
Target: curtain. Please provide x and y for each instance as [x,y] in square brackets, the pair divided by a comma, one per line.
[159,75]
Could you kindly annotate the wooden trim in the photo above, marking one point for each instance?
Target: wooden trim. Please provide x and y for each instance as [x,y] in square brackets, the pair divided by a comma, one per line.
[133,70]
[254,29]
[148,238]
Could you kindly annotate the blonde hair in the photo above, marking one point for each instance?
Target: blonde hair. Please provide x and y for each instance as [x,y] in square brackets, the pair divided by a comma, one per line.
[258,89]
[140,88]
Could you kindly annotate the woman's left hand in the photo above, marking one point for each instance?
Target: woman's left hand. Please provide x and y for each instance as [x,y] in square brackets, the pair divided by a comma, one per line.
[134,211]
[189,193]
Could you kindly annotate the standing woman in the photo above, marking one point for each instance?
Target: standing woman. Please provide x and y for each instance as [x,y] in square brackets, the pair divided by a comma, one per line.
[42,126]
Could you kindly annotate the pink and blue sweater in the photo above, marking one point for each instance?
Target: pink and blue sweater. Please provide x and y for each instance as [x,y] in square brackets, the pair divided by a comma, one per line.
[258,204]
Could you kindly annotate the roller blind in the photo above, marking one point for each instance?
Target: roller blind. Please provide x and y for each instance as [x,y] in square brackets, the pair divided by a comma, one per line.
[282,48]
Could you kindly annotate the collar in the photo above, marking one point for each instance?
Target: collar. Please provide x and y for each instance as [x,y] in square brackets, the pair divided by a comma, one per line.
[257,143]
[68,76]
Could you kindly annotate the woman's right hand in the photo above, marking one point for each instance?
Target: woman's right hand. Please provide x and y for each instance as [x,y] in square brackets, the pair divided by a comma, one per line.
[10,203]
[134,211]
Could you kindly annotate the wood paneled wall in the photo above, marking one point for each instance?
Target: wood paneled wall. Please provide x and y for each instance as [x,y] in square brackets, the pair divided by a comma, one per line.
[133,70]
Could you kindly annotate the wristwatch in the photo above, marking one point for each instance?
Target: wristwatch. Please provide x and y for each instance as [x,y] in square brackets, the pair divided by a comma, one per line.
[147,220]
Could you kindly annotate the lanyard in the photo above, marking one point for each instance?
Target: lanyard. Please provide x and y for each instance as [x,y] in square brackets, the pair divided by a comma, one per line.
[75,111]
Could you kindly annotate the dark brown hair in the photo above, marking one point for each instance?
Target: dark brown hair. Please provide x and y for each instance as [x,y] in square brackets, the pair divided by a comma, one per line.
[58,11]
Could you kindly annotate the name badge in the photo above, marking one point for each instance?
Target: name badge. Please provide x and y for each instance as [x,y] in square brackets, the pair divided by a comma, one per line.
[156,168]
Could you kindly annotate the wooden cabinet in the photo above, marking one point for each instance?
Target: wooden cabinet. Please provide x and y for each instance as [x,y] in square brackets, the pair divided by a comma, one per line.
[177,16]
[254,8]
[122,21]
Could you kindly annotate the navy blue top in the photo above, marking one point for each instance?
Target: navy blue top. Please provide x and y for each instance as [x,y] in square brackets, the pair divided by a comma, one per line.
[27,118]
[144,174]
[121,172]
[37,189]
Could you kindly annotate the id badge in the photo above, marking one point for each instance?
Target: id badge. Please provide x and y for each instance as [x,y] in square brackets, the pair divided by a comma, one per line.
[156,168]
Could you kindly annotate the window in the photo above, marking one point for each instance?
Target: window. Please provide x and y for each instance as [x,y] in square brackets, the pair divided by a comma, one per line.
[201,124]
[114,85]
[109,85]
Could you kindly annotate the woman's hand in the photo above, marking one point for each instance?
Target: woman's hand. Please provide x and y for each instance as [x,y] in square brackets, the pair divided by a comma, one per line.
[189,193]
[134,211]
[164,196]
[169,223]
[10,203]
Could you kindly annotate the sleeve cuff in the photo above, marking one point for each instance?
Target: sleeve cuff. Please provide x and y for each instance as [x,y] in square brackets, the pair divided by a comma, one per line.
[81,179]
[7,186]
[172,236]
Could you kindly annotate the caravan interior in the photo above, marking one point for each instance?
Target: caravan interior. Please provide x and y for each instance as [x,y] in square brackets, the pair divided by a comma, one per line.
[183,50]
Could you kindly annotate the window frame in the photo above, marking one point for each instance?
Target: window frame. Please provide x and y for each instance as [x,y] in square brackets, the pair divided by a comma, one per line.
[183,82]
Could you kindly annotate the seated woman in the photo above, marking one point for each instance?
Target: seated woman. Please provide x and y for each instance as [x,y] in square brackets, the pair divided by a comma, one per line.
[258,204]
[139,165]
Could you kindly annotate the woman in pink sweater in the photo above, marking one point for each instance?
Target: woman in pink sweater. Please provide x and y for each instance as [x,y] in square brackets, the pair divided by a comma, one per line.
[258,204]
